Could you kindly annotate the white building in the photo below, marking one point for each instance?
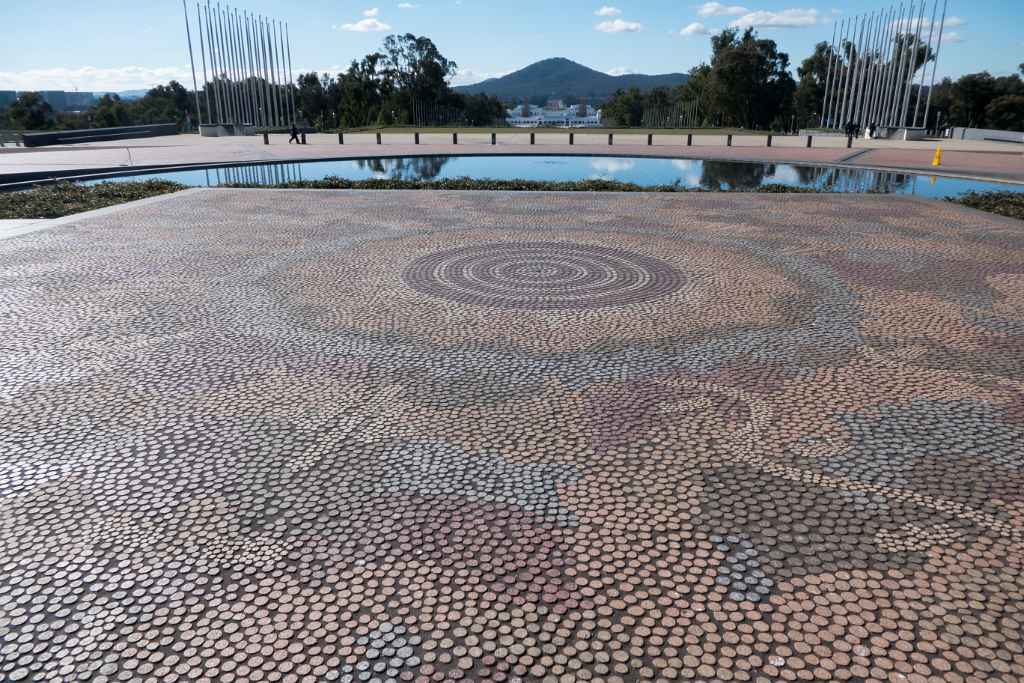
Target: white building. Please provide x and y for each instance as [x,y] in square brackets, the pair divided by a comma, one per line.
[564,117]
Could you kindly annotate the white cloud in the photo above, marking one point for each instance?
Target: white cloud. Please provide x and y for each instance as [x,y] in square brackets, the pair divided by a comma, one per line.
[608,11]
[695,29]
[619,26]
[620,71]
[909,25]
[407,5]
[366,26]
[717,9]
[788,18]
[372,12]
[90,78]
[466,76]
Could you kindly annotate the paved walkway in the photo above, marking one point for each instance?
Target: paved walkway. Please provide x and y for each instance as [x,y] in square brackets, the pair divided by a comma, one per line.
[293,435]
[975,159]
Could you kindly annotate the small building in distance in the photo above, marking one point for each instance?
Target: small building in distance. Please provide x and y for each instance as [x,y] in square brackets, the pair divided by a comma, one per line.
[577,116]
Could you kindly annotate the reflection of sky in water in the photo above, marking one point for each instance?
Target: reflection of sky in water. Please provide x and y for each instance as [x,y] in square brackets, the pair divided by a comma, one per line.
[708,174]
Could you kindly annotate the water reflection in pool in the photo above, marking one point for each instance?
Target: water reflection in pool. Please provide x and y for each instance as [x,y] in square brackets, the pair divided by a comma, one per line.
[688,173]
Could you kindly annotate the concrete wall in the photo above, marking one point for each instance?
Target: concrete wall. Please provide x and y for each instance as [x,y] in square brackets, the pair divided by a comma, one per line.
[66,137]
[987,134]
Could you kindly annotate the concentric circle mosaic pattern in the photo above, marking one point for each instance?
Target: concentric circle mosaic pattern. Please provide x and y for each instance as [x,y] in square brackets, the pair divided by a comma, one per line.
[320,436]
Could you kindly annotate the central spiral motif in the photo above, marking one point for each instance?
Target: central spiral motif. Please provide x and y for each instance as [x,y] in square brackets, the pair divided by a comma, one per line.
[542,276]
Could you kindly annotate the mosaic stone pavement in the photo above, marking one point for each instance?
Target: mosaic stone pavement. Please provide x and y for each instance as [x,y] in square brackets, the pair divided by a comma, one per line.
[315,436]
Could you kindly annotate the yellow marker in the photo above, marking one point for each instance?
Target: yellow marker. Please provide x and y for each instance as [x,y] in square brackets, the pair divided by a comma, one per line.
[937,161]
[934,179]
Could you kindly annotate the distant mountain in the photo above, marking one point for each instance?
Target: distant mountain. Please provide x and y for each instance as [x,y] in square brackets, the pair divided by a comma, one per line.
[559,77]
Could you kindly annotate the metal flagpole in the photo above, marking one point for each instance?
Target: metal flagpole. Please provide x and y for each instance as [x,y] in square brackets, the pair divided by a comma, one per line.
[828,73]
[284,76]
[927,51]
[202,51]
[192,60]
[837,87]
[252,73]
[935,62]
[268,105]
[243,68]
[913,65]
[869,61]
[897,120]
[291,76]
[890,50]
[222,64]
[273,78]
[849,72]
[876,69]
[277,74]
[859,72]
[213,68]
[229,42]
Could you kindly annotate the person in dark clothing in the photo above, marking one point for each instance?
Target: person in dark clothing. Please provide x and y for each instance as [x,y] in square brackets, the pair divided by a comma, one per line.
[871,130]
[295,135]
[851,129]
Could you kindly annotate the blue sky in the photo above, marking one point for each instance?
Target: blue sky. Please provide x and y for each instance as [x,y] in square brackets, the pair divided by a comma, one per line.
[113,45]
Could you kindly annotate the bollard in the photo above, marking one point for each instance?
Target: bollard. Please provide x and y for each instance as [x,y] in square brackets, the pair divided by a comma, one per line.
[728,140]
[455,138]
[303,138]
[689,139]
[810,138]
[570,138]
[769,139]
[650,139]
[611,138]
[378,139]
[533,138]
[266,138]
[341,138]
[937,160]
[849,141]
[494,138]
[416,138]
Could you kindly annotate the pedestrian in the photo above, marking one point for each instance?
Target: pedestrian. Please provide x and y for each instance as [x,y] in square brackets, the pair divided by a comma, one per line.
[871,130]
[295,135]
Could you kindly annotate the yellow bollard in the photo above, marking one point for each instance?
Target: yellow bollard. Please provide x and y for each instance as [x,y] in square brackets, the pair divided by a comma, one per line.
[937,161]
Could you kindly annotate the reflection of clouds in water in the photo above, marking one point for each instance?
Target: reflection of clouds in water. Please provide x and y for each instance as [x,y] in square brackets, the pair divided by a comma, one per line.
[380,175]
[611,166]
[689,171]
[785,175]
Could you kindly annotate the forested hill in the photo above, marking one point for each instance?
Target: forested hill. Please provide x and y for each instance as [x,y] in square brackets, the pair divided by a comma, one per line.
[560,78]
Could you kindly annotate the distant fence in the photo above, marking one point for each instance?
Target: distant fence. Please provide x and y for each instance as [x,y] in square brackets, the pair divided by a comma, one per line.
[684,115]
[65,137]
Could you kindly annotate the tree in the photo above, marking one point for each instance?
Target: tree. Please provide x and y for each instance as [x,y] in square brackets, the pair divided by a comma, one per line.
[625,108]
[30,112]
[418,74]
[110,111]
[814,73]
[749,83]
[482,110]
[1006,113]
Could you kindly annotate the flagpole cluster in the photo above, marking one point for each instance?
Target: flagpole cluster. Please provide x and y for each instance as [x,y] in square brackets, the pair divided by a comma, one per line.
[249,83]
[878,67]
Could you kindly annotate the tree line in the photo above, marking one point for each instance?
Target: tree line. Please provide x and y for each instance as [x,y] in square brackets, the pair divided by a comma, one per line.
[747,84]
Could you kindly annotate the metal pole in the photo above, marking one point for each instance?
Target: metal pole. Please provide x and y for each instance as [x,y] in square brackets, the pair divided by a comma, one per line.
[250,109]
[192,60]
[913,64]
[279,46]
[927,50]
[828,74]
[881,109]
[876,67]
[253,80]
[897,120]
[837,86]
[271,38]
[855,80]
[213,68]
[229,35]
[222,62]
[271,102]
[849,68]
[202,51]
[862,81]
[935,62]
[291,76]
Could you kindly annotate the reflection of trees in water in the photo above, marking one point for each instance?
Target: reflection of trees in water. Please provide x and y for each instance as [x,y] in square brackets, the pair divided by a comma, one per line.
[405,168]
[733,175]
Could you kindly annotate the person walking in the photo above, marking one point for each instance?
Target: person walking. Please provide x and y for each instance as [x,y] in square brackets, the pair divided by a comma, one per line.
[295,135]
[871,130]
